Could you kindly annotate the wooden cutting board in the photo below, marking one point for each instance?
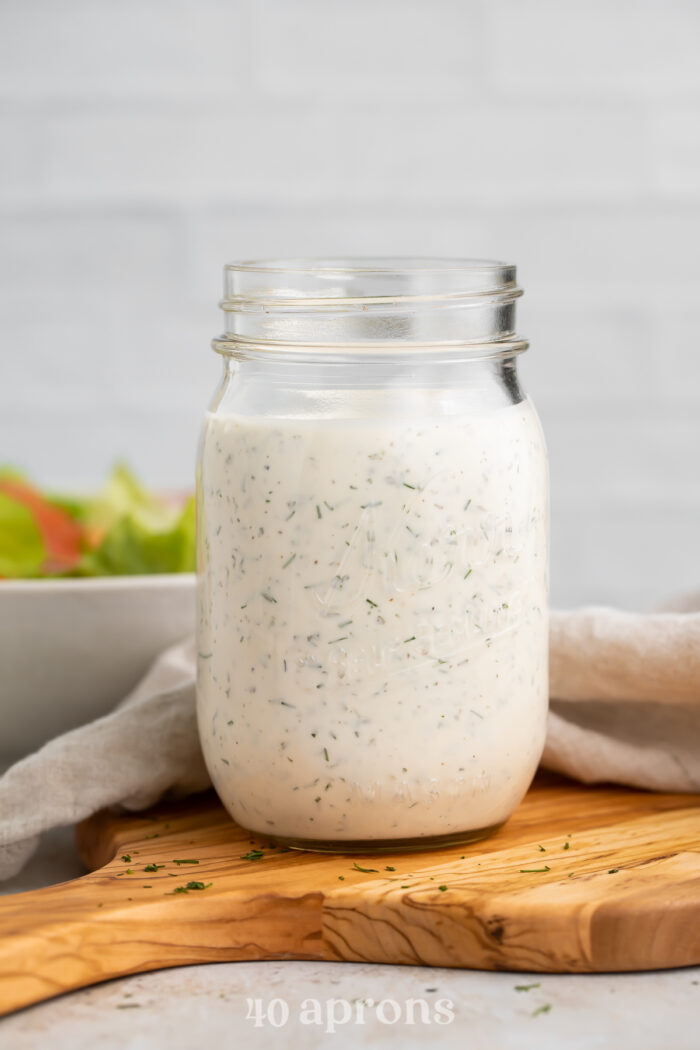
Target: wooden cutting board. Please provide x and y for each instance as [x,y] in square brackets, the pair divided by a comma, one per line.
[580,880]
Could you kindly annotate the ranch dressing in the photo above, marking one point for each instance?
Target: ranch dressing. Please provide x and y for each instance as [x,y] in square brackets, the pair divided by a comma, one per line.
[372,621]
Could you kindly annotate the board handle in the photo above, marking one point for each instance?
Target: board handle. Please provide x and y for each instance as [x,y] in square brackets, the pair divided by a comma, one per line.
[61,938]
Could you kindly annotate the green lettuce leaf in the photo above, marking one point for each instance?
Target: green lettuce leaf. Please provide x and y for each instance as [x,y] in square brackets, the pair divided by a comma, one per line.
[140,533]
[135,543]
[21,544]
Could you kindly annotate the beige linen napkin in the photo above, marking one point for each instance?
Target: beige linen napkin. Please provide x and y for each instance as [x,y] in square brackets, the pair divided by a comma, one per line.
[625,707]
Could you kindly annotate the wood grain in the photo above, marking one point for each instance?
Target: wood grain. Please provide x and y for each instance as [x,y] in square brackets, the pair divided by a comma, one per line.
[622,892]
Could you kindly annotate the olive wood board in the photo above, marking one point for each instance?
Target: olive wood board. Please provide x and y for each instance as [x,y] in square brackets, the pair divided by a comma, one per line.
[580,880]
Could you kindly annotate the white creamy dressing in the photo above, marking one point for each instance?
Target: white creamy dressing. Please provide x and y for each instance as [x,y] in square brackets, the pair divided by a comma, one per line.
[372,621]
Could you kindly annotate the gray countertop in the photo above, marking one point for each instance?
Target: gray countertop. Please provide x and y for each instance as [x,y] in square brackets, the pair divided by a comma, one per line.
[281,1004]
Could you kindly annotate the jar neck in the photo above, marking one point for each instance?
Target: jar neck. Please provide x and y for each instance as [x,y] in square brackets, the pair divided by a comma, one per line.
[392,388]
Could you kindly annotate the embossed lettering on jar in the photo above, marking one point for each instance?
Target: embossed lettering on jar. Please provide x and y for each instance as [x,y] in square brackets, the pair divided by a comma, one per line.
[372,539]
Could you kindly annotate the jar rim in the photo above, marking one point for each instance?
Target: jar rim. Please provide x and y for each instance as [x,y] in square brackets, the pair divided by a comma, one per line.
[326,281]
[368,264]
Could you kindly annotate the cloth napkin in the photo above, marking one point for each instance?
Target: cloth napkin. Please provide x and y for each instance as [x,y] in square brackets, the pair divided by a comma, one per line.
[625,707]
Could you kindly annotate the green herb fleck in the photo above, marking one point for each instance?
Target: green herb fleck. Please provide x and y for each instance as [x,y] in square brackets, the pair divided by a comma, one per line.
[370,602]
[526,987]
[532,871]
[289,561]
[269,598]
[542,1010]
[253,854]
[190,886]
[185,862]
[411,639]
[344,638]
[613,871]
[442,888]
[342,878]
[566,845]
[325,754]
[357,867]
[318,511]
[126,857]
[389,868]
[542,849]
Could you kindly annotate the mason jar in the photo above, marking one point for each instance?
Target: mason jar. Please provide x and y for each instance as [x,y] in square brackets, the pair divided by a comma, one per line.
[372,554]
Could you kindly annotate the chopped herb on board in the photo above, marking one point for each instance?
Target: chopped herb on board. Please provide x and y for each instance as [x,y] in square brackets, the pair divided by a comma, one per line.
[526,987]
[532,871]
[126,857]
[542,1010]
[190,886]
[185,862]
[153,867]
[357,867]
[253,854]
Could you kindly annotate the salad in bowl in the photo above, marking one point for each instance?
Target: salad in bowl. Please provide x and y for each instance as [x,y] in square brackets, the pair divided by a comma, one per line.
[92,589]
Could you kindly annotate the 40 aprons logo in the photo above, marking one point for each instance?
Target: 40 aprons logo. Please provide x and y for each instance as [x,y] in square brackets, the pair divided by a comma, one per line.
[330,1014]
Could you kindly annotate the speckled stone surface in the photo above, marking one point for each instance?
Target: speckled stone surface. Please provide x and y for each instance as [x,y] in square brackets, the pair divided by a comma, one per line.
[214,1006]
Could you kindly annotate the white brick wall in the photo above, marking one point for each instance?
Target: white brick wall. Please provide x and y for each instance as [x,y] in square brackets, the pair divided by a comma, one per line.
[147,141]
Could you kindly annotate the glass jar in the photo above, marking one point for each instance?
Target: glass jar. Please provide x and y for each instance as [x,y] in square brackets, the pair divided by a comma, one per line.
[372,555]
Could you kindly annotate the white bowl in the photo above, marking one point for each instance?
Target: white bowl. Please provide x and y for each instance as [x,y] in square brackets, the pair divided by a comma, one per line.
[70,649]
